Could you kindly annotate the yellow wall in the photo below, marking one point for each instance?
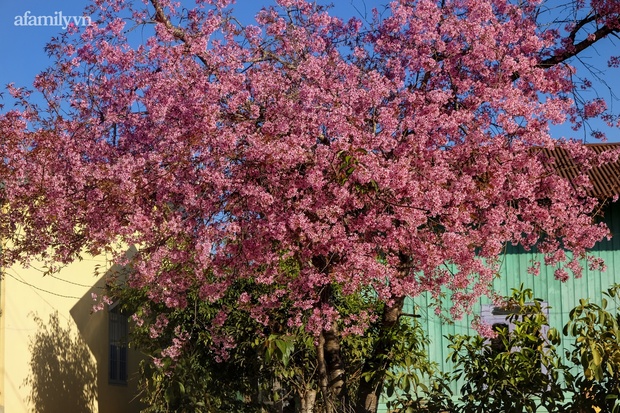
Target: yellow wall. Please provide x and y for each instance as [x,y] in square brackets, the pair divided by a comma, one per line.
[55,353]
[2,334]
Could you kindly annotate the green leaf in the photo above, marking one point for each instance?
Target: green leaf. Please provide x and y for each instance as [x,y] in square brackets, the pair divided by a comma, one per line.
[596,356]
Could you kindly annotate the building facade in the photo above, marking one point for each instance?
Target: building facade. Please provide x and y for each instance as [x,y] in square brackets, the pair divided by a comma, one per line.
[56,354]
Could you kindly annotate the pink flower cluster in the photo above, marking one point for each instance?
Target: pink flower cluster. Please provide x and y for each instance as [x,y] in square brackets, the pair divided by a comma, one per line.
[275,155]
[483,329]
[175,350]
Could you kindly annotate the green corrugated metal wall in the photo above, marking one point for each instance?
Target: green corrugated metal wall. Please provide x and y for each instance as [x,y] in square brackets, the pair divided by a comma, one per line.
[562,297]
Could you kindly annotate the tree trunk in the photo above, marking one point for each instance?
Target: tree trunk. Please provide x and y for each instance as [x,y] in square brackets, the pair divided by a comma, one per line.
[369,391]
[329,359]
[331,369]
[323,376]
[306,401]
[333,360]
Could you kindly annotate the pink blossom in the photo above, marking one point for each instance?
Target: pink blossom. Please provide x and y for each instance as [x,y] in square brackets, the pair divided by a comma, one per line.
[484,330]
[560,274]
[158,362]
[137,319]
[244,298]
[161,322]
[175,350]
[219,319]
[534,269]
[306,156]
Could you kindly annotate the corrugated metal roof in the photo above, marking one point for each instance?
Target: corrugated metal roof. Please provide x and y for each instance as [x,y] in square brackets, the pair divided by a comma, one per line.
[605,179]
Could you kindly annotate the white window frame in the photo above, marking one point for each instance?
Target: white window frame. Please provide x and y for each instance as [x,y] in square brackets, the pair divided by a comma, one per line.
[491,314]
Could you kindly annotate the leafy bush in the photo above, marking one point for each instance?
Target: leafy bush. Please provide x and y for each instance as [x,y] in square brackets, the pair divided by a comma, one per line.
[597,352]
[511,371]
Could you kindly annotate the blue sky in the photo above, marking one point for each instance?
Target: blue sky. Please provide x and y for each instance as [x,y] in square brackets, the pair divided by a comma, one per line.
[22,47]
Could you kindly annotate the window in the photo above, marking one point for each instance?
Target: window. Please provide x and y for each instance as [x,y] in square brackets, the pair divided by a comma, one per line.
[499,318]
[117,332]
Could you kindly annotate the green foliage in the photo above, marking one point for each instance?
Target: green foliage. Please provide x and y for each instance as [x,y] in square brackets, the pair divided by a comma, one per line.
[273,367]
[195,381]
[517,371]
[596,351]
[412,383]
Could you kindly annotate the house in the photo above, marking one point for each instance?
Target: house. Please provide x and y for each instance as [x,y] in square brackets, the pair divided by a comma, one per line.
[56,355]
[561,297]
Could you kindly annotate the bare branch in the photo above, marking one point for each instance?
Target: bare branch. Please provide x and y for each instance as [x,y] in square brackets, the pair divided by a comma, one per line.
[590,40]
[177,32]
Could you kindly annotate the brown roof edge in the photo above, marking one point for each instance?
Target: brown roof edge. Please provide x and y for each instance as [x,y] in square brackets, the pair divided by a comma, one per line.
[605,179]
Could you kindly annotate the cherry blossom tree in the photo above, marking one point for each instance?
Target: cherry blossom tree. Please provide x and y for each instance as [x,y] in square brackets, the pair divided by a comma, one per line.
[395,154]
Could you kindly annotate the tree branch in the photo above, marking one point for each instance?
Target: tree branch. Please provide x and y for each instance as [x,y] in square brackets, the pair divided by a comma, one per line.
[599,34]
[177,32]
